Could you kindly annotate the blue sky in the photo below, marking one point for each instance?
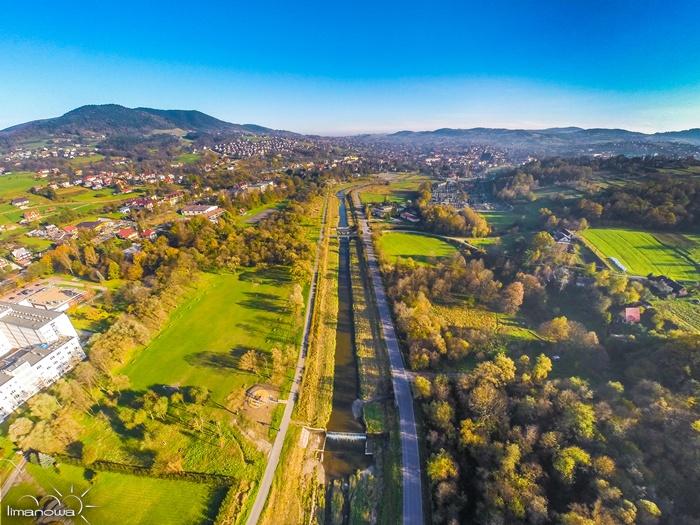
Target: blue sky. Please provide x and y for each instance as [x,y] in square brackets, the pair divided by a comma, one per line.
[348,67]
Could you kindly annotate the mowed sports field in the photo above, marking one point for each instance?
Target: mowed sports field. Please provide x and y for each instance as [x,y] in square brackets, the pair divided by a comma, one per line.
[206,336]
[421,248]
[674,255]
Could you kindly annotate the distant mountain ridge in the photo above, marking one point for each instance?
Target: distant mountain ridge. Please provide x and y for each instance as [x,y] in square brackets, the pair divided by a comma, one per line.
[553,135]
[113,119]
[90,122]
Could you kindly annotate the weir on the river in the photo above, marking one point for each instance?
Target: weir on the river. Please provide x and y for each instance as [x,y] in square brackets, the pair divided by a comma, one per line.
[343,457]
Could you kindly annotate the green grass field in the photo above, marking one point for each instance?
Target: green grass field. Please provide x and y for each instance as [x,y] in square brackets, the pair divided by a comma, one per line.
[119,498]
[188,158]
[208,333]
[401,187]
[420,248]
[225,316]
[253,215]
[642,252]
[17,182]
[79,162]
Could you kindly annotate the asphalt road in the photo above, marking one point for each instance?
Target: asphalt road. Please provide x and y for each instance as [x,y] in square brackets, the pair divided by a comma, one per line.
[274,456]
[410,455]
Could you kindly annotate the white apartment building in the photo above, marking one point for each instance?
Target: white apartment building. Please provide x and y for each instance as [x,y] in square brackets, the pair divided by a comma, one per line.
[37,347]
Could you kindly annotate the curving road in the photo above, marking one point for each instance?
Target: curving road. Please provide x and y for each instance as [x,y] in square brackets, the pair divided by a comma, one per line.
[410,454]
[274,456]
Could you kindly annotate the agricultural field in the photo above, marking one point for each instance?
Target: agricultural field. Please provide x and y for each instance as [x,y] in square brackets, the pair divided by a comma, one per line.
[398,188]
[681,312]
[421,248]
[207,334]
[118,498]
[79,162]
[642,253]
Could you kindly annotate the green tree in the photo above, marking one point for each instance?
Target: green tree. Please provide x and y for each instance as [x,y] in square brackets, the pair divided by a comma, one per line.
[441,466]
[566,461]
[579,419]
[43,406]
[542,368]
[19,428]
[557,329]
[113,270]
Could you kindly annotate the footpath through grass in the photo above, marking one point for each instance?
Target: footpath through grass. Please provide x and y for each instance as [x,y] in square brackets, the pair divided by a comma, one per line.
[643,252]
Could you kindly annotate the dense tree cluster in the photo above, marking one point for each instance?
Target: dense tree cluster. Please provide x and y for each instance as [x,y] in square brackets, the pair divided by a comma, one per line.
[509,445]
[413,289]
[661,201]
[447,220]
[652,197]
[520,183]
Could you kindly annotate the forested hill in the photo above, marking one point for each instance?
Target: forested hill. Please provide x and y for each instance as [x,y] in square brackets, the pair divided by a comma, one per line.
[113,119]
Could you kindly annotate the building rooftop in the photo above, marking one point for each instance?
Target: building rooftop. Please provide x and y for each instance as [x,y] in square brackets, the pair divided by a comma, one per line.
[4,378]
[29,354]
[26,316]
[52,297]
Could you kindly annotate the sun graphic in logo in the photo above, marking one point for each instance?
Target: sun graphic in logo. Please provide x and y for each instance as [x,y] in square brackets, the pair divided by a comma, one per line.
[71,504]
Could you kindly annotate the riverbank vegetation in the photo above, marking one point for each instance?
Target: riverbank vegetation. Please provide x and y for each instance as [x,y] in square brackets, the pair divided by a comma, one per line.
[297,490]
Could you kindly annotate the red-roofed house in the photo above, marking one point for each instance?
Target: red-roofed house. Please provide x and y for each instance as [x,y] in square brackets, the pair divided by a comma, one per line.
[128,234]
[31,215]
[632,314]
[149,234]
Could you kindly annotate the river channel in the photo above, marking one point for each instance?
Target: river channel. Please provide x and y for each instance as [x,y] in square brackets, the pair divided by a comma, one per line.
[343,457]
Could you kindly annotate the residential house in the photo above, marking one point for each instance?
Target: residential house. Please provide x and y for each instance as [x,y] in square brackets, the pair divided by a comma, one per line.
[128,234]
[409,217]
[31,216]
[666,287]
[20,202]
[632,315]
[22,256]
[198,209]
[131,251]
